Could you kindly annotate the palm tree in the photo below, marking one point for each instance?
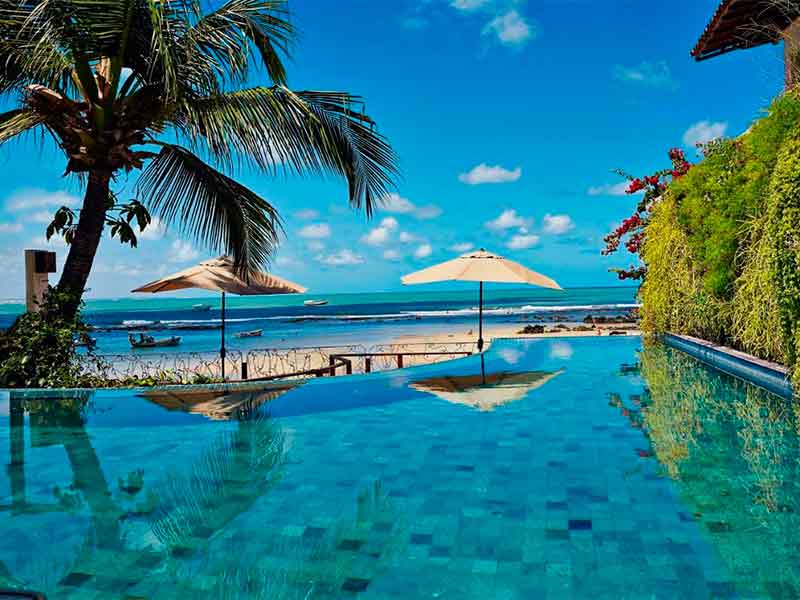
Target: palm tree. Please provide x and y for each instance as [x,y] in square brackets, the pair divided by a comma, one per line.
[159,86]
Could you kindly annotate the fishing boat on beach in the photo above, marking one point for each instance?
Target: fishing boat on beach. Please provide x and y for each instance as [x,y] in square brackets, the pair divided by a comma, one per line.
[148,341]
[249,334]
[315,303]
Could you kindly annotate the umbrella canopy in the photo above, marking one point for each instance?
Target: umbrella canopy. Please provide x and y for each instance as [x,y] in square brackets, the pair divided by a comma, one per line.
[480,266]
[485,392]
[217,275]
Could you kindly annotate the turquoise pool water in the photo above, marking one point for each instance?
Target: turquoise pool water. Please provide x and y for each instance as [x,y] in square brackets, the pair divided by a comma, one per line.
[582,468]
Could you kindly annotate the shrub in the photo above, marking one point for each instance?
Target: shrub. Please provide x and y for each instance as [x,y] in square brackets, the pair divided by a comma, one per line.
[38,350]
[721,244]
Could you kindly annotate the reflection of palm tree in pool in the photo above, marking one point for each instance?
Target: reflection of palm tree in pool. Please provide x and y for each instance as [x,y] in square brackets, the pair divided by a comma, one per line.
[235,470]
[228,478]
[60,421]
[321,561]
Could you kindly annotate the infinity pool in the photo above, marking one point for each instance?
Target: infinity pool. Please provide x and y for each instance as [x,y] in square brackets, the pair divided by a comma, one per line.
[558,468]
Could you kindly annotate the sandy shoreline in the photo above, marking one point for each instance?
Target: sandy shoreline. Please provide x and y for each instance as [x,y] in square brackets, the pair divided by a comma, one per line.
[402,350]
[513,330]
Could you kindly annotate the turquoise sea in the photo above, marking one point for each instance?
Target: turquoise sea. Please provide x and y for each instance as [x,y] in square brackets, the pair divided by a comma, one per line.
[363,318]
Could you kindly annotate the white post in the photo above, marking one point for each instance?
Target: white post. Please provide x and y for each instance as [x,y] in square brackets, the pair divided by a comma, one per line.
[38,265]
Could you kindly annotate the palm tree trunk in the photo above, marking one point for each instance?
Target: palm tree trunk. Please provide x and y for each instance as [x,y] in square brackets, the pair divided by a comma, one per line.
[87,238]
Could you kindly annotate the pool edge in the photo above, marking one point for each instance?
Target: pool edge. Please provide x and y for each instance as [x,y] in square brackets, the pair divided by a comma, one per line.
[768,375]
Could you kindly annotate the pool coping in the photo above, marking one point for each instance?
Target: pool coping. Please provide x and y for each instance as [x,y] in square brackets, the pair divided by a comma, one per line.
[769,375]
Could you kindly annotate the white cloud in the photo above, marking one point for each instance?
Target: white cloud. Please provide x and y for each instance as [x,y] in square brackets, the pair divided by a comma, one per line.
[29,199]
[395,203]
[557,224]
[341,258]
[508,219]
[155,231]
[521,241]
[562,350]
[406,238]
[609,189]
[391,255]
[316,231]
[381,234]
[650,74]
[10,227]
[429,211]
[56,240]
[130,271]
[423,251]
[40,216]
[306,214]
[484,173]
[511,29]
[315,246]
[703,132]
[182,251]
[389,223]
[468,5]
[286,261]
[376,237]
[510,355]
[462,247]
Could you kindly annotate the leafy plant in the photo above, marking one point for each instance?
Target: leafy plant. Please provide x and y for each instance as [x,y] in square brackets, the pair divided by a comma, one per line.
[721,243]
[39,348]
[167,89]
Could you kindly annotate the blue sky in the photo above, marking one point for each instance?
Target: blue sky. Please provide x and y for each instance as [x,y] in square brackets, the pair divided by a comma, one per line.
[508,117]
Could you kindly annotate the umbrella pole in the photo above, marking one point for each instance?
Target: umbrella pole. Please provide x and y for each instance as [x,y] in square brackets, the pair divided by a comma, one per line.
[222,344]
[480,318]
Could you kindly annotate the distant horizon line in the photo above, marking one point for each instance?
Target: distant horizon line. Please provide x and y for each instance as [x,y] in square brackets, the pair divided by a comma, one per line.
[8,301]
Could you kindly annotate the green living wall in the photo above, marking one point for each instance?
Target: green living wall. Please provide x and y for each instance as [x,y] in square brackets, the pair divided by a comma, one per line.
[722,244]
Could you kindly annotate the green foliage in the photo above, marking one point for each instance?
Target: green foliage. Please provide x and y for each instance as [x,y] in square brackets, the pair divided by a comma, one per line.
[727,189]
[755,322]
[672,294]
[722,248]
[784,233]
[115,82]
[39,348]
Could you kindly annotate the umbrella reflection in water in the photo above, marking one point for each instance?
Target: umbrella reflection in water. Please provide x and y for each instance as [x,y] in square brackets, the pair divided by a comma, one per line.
[485,392]
[218,405]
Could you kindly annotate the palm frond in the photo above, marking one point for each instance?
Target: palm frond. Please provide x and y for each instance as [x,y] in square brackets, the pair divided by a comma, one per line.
[306,132]
[17,121]
[225,36]
[30,56]
[213,208]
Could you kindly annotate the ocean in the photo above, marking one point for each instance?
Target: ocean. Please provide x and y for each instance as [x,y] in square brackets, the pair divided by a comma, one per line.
[364,318]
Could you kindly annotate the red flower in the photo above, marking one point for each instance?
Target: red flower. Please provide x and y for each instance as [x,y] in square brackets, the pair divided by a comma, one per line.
[636,185]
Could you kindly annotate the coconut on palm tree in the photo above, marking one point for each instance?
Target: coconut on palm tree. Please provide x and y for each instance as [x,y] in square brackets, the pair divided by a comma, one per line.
[161,87]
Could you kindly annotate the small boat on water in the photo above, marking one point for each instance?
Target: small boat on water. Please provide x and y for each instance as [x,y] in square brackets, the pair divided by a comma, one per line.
[85,342]
[148,341]
[249,334]
[315,302]
[201,307]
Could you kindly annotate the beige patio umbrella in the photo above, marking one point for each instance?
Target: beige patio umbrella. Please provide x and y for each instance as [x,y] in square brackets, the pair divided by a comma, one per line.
[485,392]
[480,266]
[217,275]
